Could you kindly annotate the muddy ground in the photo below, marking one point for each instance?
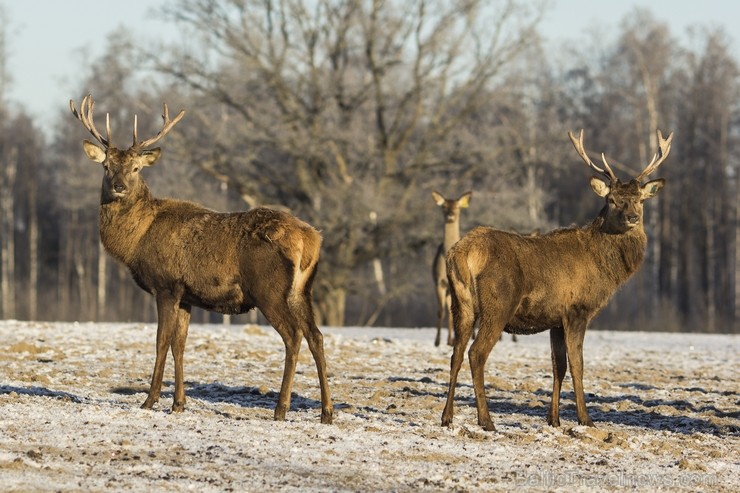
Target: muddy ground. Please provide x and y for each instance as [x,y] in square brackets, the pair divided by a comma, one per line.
[666,408]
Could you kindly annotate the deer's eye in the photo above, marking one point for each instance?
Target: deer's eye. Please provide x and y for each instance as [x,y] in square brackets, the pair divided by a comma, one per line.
[136,169]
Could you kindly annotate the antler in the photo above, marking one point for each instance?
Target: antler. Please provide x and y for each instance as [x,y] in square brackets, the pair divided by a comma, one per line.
[664,147]
[578,144]
[168,124]
[86,117]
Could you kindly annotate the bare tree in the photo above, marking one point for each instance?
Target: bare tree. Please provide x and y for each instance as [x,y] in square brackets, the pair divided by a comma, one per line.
[342,107]
[7,226]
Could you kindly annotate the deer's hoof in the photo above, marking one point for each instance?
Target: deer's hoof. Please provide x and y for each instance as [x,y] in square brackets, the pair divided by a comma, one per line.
[488,426]
[178,407]
[447,418]
[280,413]
[326,417]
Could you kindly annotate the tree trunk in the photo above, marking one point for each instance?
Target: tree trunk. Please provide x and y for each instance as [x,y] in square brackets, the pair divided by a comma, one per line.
[33,253]
[331,307]
[7,225]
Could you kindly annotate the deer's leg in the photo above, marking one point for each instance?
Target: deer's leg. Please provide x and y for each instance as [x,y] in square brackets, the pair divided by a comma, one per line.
[574,344]
[559,365]
[303,313]
[489,332]
[167,308]
[178,350]
[464,320]
[441,292]
[292,340]
[280,317]
[450,321]
[315,341]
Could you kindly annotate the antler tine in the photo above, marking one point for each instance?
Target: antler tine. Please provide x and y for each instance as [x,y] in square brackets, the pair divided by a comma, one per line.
[664,147]
[91,123]
[168,124]
[578,144]
[85,115]
[136,131]
[107,127]
[608,168]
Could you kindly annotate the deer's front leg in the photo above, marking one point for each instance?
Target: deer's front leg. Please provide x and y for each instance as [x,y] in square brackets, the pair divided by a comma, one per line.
[178,350]
[167,307]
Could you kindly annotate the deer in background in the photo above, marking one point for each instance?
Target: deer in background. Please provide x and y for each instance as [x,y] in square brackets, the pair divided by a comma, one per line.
[186,255]
[556,281]
[451,212]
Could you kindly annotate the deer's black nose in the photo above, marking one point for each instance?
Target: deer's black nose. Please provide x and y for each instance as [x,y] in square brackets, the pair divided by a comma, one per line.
[119,187]
[633,218]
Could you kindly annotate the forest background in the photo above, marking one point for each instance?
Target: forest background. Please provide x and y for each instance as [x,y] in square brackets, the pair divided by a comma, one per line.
[349,113]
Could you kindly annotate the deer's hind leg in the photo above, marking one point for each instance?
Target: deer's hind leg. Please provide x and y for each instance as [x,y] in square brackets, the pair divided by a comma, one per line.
[574,335]
[489,332]
[442,295]
[559,366]
[464,318]
[178,352]
[285,324]
[302,311]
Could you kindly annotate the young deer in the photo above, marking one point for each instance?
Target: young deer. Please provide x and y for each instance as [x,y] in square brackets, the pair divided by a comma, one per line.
[186,255]
[451,212]
[556,281]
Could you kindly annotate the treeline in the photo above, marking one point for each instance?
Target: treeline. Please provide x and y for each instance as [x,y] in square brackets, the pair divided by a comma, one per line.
[349,114]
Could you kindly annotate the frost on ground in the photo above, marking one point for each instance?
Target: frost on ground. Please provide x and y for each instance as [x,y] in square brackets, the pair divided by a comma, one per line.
[665,406]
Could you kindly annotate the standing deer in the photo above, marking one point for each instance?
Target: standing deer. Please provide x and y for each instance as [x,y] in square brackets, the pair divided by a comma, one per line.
[186,255]
[451,212]
[556,281]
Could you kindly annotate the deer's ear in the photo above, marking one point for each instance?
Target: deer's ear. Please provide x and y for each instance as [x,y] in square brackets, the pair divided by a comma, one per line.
[600,187]
[438,199]
[651,188]
[464,199]
[151,155]
[94,152]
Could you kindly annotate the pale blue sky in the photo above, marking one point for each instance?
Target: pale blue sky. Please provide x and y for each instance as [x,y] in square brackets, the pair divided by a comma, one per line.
[46,36]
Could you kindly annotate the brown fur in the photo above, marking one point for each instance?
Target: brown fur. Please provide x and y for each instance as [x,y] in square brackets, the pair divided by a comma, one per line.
[186,255]
[556,281]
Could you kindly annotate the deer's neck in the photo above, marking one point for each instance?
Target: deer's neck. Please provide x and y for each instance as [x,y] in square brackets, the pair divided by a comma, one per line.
[452,234]
[124,222]
[621,255]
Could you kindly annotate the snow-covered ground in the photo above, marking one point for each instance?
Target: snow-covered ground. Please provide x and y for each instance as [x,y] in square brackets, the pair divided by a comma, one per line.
[666,408]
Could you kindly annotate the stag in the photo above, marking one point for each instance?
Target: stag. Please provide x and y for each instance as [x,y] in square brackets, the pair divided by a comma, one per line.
[451,211]
[556,281]
[186,255]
